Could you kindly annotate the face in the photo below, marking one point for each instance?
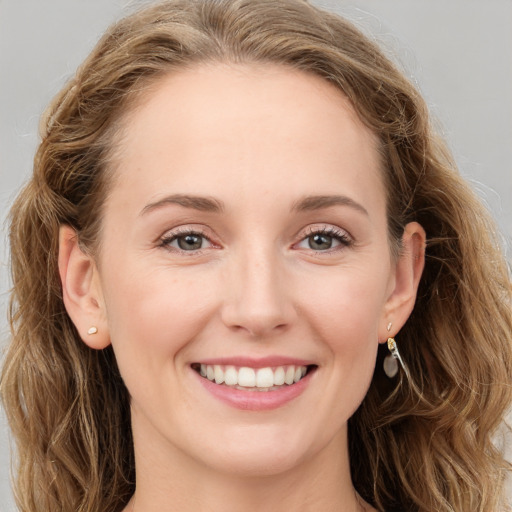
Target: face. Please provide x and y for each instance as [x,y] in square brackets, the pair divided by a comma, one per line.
[245,276]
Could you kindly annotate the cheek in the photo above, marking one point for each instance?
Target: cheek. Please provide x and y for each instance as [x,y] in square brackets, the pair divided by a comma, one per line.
[347,306]
[344,316]
[153,315]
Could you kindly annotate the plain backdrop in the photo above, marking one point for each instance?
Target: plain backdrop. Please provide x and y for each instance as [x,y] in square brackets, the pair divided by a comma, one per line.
[458,52]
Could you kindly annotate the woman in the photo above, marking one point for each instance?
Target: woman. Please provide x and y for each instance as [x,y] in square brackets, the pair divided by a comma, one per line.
[236,207]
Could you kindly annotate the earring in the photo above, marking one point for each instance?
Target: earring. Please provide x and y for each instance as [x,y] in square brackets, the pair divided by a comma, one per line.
[92,330]
[391,360]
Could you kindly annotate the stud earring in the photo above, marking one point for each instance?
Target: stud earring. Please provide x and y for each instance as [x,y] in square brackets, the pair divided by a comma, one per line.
[391,361]
[92,330]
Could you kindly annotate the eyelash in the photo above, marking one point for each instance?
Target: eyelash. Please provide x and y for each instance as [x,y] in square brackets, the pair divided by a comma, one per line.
[167,240]
[337,234]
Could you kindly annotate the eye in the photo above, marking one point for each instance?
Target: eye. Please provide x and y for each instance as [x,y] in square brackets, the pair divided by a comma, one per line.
[321,242]
[324,239]
[186,241]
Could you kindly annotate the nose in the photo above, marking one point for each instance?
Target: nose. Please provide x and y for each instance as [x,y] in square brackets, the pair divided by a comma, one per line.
[258,299]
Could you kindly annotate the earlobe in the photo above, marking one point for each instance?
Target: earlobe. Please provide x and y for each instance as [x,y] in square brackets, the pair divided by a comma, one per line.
[81,291]
[408,271]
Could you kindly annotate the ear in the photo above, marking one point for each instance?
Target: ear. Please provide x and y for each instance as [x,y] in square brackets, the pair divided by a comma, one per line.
[81,290]
[408,270]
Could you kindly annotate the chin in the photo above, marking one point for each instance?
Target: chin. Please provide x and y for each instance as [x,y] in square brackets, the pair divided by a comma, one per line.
[262,452]
[258,463]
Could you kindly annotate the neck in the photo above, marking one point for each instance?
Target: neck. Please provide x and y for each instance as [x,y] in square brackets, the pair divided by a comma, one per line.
[169,480]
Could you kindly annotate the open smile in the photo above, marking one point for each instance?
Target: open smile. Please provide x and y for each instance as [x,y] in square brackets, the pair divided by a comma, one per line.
[246,378]
[238,385]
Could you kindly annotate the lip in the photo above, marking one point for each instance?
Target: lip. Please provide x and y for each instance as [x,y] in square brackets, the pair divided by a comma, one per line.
[260,362]
[255,400]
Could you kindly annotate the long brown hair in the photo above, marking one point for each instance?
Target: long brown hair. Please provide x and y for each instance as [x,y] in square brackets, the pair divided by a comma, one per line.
[422,444]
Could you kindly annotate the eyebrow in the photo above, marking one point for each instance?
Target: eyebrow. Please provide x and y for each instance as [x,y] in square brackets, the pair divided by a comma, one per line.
[208,204]
[204,204]
[311,203]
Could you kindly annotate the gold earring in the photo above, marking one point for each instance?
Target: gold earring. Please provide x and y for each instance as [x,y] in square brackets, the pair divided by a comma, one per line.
[92,330]
[391,360]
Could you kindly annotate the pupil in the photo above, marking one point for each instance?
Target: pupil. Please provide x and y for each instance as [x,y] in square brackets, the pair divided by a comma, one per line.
[320,242]
[190,242]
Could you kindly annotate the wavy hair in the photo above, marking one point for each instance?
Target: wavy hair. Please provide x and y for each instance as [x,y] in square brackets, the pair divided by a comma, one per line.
[422,444]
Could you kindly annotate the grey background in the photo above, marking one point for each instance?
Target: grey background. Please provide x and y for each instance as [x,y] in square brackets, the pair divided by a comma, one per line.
[459,53]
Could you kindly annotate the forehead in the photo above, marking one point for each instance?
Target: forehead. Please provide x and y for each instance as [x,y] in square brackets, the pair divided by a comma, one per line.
[255,123]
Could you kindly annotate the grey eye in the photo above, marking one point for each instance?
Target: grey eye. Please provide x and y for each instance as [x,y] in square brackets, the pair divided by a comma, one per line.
[189,242]
[325,239]
[320,242]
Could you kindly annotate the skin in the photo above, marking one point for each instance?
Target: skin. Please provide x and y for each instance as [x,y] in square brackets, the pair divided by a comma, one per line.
[259,139]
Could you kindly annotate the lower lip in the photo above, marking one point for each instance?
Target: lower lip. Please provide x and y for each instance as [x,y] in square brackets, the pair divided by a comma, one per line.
[255,400]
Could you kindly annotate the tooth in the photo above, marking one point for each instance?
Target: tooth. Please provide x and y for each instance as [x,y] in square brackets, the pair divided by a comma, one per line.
[246,377]
[219,374]
[279,376]
[231,376]
[290,373]
[265,378]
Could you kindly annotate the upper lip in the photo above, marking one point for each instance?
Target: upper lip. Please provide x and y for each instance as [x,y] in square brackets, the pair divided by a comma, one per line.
[252,362]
